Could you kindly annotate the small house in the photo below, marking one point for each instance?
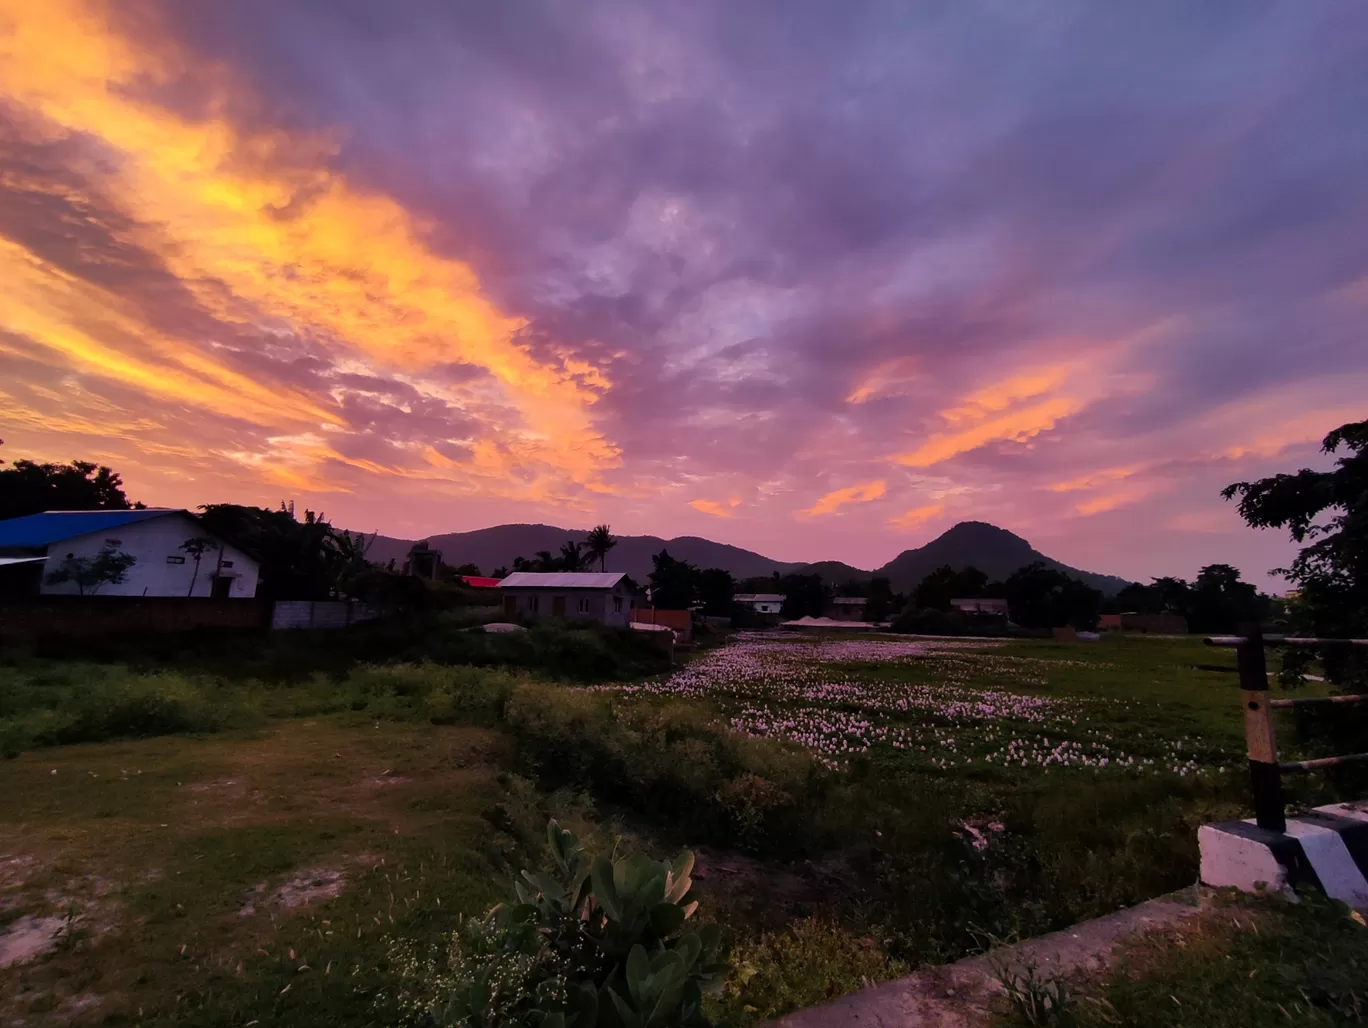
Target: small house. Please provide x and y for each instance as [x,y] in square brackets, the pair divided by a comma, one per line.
[761,603]
[846,608]
[172,553]
[572,595]
[986,608]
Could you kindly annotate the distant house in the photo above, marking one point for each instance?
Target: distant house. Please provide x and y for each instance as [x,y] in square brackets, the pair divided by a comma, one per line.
[153,538]
[679,621]
[1145,624]
[573,595]
[481,582]
[423,561]
[846,608]
[982,607]
[761,603]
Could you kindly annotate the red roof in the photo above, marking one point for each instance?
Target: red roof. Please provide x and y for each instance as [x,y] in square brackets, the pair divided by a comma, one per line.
[479,582]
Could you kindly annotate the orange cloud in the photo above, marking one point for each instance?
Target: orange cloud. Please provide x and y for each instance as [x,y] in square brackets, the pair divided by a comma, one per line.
[714,508]
[833,501]
[265,233]
[884,380]
[1018,426]
[917,516]
[1093,479]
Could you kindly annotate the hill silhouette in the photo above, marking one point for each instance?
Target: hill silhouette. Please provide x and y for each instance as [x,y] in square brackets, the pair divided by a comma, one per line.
[995,551]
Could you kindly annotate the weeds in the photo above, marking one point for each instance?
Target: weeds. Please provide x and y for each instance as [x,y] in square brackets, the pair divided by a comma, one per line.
[1036,1000]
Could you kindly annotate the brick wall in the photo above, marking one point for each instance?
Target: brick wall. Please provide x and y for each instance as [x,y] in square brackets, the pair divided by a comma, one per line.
[102,615]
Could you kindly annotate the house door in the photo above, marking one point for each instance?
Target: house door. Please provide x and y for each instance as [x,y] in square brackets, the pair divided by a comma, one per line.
[510,606]
[558,606]
[220,586]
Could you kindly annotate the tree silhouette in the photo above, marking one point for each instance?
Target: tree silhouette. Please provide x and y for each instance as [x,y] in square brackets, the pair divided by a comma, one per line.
[571,556]
[599,542]
[197,547]
[28,487]
[1328,510]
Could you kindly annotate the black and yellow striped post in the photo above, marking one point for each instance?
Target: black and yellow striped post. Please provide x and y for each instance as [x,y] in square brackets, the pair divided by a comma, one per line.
[1265,777]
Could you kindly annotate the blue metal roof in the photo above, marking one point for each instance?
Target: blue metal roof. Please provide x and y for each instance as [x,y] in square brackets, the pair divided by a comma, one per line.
[55,525]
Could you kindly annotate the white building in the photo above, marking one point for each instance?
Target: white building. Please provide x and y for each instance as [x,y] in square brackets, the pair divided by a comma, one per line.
[573,595]
[153,538]
[761,603]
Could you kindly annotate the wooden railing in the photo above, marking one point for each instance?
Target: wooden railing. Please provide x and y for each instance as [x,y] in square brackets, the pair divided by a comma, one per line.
[1261,742]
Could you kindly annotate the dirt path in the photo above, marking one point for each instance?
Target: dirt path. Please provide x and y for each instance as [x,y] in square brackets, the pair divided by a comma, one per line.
[960,995]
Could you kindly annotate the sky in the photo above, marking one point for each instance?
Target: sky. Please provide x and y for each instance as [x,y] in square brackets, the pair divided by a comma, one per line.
[816,279]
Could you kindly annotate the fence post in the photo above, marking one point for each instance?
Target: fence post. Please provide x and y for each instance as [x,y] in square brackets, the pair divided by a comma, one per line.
[1260,741]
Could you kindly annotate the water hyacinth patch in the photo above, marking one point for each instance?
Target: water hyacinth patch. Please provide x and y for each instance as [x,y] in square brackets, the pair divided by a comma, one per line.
[845,698]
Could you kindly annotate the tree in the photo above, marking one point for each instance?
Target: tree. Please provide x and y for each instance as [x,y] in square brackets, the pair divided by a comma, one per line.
[300,560]
[804,596]
[197,547]
[108,567]
[1219,602]
[674,583]
[599,542]
[472,570]
[1041,597]
[880,603]
[937,589]
[499,572]
[715,590]
[31,488]
[1328,511]
[544,561]
[571,556]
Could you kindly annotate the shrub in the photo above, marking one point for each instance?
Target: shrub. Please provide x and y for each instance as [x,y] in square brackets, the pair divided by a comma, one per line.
[812,960]
[593,942]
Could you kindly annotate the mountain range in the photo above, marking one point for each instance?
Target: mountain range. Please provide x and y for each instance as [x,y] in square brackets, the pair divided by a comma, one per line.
[995,551]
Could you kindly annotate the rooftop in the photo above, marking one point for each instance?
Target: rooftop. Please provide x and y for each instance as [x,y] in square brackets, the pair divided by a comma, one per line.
[562,580]
[759,598]
[55,525]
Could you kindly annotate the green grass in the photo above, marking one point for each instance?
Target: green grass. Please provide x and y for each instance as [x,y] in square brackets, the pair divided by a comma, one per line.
[197,777]
[1249,961]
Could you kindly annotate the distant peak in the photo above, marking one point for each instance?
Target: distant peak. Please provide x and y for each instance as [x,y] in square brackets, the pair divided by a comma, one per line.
[979,528]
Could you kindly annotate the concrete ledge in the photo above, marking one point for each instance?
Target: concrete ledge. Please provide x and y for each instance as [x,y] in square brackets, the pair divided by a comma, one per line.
[960,994]
[1326,849]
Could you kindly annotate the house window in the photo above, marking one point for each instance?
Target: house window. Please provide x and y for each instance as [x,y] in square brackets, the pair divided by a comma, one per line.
[175,560]
[584,605]
[225,563]
[532,603]
[617,604]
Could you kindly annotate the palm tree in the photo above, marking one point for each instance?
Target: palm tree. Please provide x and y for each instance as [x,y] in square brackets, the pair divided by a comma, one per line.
[571,558]
[545,561]
[599,542]
[197,548]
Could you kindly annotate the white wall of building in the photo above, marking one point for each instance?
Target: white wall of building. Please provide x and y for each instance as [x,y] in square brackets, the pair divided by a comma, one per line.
[156,544]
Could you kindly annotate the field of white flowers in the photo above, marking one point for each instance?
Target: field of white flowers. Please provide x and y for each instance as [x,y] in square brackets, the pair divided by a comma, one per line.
[939,703]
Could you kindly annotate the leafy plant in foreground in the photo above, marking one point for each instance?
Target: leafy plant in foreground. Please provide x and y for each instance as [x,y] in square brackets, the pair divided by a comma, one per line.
[592,943]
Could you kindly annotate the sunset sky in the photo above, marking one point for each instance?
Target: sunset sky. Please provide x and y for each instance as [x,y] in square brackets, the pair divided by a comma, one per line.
[818,279]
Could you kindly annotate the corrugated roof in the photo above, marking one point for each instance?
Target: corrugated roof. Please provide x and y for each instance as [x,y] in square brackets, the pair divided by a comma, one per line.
[7,561]
[55,525]
[562,580]
[480,581]
[849,601]
[759,598]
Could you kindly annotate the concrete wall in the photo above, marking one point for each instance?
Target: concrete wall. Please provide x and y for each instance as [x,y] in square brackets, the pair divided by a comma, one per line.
[96,615]
[319,613]
[609,607]
[679,620]
[156,545]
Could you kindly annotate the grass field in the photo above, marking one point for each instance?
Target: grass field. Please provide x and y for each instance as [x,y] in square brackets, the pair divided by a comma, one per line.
[861,807]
